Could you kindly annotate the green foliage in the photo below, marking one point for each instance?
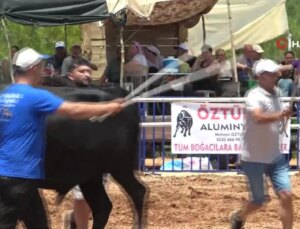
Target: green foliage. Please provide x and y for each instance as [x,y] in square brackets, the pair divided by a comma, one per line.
[271,51]
[40,38]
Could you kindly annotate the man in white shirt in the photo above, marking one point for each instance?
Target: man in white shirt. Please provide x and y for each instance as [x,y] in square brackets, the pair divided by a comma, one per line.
[225,73]
[261,153]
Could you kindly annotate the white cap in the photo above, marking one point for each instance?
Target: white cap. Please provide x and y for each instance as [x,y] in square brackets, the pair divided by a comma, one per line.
[27,58]
[257,48]
[265,65]
[153,49]
[60,44]
[182,46]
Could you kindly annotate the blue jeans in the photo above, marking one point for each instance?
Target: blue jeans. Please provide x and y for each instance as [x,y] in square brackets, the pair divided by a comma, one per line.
[277,171]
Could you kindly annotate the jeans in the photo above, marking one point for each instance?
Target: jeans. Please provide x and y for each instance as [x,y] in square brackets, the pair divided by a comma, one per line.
[277,171]
[20,200]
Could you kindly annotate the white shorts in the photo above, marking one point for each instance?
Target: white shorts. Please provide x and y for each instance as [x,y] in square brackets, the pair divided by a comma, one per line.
[77,194]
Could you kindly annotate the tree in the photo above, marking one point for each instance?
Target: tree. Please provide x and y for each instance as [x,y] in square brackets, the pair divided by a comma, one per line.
[40,38]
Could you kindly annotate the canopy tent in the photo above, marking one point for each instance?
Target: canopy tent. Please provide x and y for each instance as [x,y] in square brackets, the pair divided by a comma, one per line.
[54,12]
[158,12]
[253,22]
[142,12]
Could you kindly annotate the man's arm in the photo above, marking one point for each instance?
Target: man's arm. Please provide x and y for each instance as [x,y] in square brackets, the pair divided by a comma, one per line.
[213,69]
[241,66]
[262,117]
[87,110]
[65,67]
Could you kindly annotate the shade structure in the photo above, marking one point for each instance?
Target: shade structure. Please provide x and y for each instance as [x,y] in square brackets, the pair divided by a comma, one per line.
[253,22]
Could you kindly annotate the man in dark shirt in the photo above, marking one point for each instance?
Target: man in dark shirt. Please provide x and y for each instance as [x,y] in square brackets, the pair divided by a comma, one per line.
[79,74]
[57,59]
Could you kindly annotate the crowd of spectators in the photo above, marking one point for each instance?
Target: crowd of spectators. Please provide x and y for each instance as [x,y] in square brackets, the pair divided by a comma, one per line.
[143,61]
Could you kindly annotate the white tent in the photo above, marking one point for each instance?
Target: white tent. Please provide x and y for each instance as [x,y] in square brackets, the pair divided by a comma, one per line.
[253,22]
[158,12]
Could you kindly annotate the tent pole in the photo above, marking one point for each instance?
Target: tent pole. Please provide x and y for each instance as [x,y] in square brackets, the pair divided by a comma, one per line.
[9,50]
[122,58]
[232,45]
[66,35]
[204,29]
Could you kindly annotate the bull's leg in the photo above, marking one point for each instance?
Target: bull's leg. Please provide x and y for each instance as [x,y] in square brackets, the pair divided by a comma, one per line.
[177,127]
[185,130]
[95,195]
[182,129]
[136,190]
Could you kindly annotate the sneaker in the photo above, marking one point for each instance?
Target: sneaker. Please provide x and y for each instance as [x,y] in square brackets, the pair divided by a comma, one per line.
[235,221]
[68,220]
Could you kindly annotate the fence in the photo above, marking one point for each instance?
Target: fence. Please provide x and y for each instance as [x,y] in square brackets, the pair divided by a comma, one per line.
[154,148]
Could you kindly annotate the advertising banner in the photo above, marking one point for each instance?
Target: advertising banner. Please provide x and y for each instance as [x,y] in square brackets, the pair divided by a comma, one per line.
[211,128]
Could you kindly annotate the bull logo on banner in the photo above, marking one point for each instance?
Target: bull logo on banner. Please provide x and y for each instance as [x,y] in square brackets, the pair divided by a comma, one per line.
[185,122]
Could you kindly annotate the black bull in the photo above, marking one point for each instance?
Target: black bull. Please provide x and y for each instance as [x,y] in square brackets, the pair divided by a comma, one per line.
[80,151]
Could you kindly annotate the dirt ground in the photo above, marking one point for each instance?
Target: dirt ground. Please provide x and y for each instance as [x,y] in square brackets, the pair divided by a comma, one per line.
[187,201]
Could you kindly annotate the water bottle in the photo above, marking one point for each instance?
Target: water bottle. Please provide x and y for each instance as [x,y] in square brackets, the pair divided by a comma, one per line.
[50,69]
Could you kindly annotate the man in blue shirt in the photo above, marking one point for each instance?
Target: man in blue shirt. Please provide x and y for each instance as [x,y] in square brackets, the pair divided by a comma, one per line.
[23,110]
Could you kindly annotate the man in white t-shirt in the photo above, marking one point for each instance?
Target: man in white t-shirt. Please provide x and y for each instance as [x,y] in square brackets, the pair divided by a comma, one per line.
[226,71]
[261,153]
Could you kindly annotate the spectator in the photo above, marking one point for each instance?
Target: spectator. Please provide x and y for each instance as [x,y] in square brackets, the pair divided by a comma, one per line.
[57,59]
[211,66]
[113,69]
[136,69]
[289,59]
[22,141]
[154,59]
[182,53]
[136,55]
[76,52]
[226,72]
[5,65]
[257,53]
[244,67]
[245,62]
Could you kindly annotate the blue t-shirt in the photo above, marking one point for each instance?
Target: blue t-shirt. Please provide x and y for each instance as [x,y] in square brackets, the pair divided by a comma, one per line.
[23,110]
